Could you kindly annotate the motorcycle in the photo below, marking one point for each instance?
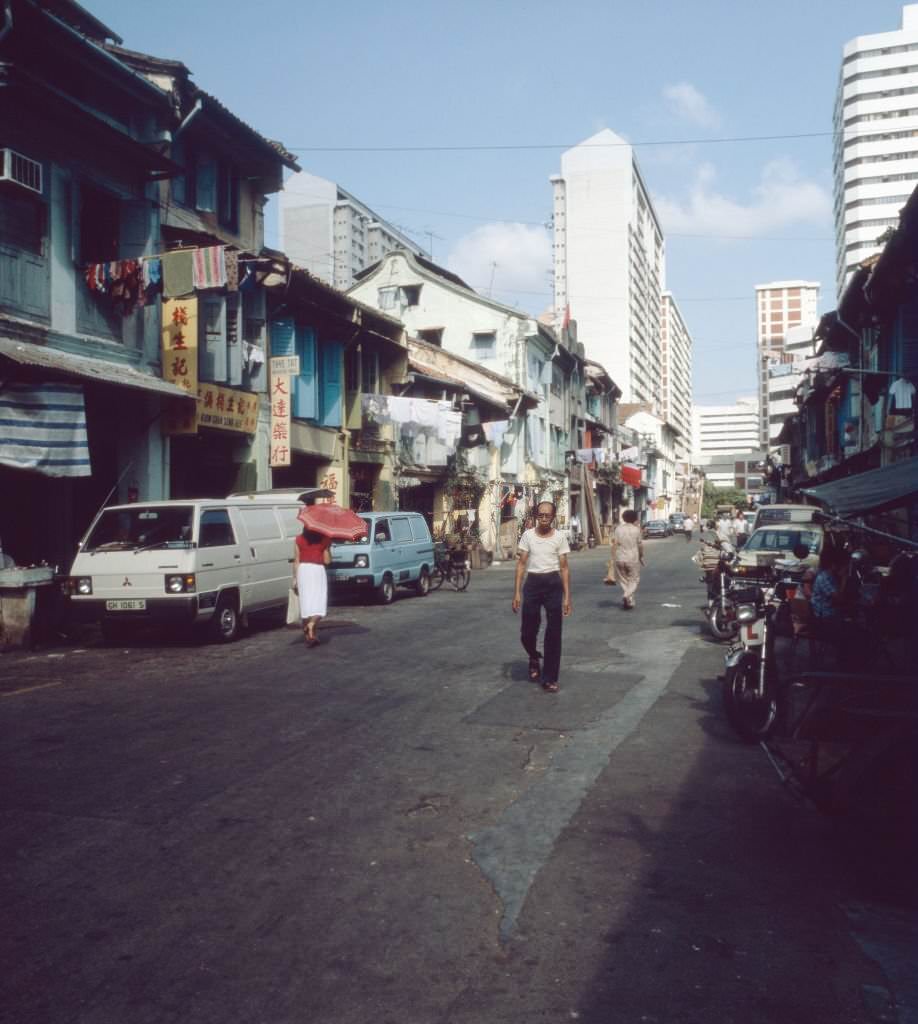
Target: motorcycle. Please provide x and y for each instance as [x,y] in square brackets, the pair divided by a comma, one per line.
[751,684]
[720,610]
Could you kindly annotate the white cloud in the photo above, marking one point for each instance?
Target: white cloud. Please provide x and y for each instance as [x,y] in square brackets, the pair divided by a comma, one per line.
[690,104]
[523,257]
[781,199]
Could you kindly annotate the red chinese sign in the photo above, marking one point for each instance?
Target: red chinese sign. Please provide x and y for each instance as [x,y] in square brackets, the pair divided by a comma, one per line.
[280,420]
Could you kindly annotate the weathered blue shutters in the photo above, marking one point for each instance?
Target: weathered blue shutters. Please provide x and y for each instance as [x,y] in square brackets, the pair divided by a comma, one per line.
[282,338]
[305,391]
[332,384]
[212,361]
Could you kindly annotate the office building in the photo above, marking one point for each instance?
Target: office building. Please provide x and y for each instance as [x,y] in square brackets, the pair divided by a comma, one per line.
[676,357]
[876,139]
[609,263]
[330,233]
[785,372]
[780,306]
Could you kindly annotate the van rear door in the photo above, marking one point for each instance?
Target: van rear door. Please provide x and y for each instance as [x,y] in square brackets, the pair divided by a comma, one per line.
[270,552]
[406,562]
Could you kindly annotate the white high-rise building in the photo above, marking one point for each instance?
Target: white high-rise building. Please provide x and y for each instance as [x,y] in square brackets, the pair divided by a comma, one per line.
[876,139]
[780,306]
[676,355]
[609,263]
[719,429]
[330,233]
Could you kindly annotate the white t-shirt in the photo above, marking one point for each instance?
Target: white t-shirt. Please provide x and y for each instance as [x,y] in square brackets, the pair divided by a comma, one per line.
[688,524]
[544,552]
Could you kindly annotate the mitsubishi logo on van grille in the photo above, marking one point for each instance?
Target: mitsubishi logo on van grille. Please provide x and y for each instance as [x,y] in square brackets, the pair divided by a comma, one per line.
[127,583]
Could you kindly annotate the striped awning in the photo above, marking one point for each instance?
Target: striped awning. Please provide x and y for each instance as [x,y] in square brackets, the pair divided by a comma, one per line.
[43,428]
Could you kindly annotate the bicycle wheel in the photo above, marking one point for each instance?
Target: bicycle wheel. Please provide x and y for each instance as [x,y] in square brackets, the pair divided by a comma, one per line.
[460,578]
[752,716]
[437,577]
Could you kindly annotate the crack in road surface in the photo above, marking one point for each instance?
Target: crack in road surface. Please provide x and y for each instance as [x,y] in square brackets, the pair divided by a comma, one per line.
[511,852]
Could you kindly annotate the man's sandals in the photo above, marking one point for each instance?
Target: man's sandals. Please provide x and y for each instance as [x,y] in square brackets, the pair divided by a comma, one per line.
[535,670]
[550,687]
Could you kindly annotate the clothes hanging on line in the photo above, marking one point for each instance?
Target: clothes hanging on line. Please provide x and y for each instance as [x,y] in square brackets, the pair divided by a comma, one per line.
[209,267]
[178,273]
[901,395]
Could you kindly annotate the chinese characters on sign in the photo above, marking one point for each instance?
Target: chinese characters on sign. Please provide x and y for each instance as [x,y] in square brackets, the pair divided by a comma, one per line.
[226,409]
[180,360]
[280,419]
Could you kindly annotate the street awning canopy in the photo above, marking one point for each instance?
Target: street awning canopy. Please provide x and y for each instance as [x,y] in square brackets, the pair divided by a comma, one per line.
[43,357]
[872,491]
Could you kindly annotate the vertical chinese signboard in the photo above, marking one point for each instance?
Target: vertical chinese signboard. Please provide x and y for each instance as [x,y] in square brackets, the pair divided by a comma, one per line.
[280,419]
[180,360]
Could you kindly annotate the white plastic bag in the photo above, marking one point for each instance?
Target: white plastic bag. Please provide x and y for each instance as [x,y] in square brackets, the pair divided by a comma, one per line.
[293,608]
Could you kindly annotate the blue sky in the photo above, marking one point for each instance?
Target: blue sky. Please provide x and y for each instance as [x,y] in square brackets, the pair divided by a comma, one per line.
[542,76]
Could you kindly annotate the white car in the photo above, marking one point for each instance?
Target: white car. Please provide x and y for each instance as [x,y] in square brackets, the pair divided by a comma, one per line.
[768,544]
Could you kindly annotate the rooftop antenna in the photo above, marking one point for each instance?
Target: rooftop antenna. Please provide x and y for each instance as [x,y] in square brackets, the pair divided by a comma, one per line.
[491,282]
[430,237]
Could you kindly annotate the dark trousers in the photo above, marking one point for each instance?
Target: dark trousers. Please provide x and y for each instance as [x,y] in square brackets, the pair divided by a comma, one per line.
[543,590]
[688,536]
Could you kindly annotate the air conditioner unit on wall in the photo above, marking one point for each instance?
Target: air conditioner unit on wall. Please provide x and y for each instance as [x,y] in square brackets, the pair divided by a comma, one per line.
[20,170]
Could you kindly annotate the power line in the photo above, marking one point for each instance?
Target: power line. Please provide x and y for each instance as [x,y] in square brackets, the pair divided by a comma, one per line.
[516,147]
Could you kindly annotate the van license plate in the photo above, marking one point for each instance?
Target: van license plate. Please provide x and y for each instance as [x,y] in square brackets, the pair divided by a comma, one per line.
[341,577]
[126,605]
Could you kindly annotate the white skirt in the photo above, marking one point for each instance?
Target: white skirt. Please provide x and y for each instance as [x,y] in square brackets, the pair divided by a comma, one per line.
[312,588]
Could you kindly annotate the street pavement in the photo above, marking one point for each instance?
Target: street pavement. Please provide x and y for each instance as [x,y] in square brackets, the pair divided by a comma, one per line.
[399,828]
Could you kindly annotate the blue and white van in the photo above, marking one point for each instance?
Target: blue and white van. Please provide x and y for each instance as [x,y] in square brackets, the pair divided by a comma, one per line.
[398,551]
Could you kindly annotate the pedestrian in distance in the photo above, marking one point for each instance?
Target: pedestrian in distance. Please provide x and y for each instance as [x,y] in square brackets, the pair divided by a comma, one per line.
[628,555]
[688,524]
[542,560]
[724,530]
[310,556]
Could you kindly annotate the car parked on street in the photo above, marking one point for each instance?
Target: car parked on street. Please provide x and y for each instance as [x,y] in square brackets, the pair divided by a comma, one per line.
[677,522]
[397,551]
[657,528]
[777,541]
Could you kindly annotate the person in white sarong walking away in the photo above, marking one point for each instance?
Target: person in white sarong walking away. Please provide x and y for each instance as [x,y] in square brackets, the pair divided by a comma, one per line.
[627,555]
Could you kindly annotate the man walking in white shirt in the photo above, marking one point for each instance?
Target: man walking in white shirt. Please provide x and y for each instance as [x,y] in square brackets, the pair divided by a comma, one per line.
[542,560]
[688,524]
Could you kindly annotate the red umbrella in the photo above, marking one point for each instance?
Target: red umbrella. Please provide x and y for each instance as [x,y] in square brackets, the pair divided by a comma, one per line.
[333,521]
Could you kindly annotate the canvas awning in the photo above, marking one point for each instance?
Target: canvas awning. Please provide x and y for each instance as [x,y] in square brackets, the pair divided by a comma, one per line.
[101,371]
[43,428]
[872,491]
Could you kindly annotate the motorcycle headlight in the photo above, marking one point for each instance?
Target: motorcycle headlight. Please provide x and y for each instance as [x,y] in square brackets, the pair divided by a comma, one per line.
[180,584]
[84,585]
[361,562]
[746,613]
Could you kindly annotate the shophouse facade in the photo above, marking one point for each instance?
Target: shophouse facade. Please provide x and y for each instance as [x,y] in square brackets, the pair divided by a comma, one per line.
[440,309]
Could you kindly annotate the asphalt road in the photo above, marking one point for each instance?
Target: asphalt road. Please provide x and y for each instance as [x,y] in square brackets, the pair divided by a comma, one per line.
[398,827]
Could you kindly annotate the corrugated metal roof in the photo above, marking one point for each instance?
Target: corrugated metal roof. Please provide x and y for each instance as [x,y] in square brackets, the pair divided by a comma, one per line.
[86,368]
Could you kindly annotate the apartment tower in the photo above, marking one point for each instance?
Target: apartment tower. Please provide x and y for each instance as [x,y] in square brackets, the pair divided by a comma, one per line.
[676,357]
[876,140]
[780,306]
[609,263]
[332,234]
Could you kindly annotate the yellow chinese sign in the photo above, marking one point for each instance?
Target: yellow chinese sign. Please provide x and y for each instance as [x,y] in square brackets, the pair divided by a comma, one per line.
[179,339]
[180,343]
[280,420]
[226,409]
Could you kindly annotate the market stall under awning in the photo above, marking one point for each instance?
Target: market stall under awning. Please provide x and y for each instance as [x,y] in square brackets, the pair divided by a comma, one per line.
[872,491]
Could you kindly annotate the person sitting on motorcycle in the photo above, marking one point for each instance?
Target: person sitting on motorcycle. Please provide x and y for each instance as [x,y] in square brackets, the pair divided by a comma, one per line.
[829,597]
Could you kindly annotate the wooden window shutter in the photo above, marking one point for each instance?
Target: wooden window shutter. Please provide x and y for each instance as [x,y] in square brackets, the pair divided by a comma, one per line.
[206,186]
[212,362]
[332,366]
[283,341]
[305,390]
[233,340]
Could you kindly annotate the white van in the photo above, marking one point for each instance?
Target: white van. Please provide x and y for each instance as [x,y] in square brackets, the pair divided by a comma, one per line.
[213,562]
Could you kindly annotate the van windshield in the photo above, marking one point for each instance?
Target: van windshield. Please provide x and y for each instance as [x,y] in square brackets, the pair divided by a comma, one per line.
[782,540]
[141,526]
[362,540]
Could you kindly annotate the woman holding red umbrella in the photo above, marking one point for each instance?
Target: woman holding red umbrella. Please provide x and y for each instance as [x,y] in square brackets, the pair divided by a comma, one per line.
[310,556]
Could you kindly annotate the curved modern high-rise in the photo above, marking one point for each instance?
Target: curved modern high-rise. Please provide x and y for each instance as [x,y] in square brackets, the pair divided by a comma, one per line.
[876,139]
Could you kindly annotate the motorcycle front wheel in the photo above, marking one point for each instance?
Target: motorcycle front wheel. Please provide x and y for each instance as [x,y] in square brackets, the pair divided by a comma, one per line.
[722,628]
[752,715]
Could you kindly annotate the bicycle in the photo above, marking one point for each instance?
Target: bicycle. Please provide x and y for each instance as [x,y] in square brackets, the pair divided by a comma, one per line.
[451,566]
